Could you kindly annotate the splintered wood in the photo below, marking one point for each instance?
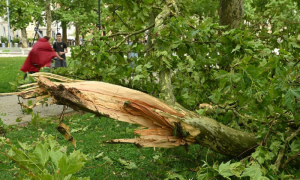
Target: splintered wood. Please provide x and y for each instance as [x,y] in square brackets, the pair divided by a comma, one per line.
[163,125]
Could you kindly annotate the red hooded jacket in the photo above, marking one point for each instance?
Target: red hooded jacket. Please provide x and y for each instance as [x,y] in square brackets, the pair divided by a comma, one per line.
[41,55]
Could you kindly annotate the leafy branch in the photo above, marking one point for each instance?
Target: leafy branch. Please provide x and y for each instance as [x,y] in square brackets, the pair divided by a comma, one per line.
[282,150]
[30,172]
[291,159]
[128,35]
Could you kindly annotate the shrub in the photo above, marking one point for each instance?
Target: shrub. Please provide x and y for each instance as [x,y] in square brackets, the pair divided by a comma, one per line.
[29,39]
[16,40]
[43,159]
[4,39]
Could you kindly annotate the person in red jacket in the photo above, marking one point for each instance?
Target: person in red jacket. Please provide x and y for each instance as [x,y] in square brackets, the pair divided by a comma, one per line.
[40,56]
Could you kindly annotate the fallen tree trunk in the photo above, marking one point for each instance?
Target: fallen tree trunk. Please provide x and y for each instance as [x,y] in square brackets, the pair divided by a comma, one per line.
[165,125]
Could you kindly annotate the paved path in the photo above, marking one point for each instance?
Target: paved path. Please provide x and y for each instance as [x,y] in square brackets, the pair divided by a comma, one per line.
[10,110]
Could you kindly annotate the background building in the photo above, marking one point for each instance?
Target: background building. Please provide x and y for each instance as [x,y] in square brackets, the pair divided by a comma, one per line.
[30,30]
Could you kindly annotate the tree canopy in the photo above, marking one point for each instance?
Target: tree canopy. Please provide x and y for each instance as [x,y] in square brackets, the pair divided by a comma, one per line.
[21,12]
[248,75]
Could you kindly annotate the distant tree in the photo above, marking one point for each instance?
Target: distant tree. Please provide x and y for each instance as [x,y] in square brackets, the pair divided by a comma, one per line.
[74,12]
[21,14]
[48,17]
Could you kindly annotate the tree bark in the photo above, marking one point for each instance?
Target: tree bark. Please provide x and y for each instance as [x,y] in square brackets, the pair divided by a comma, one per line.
[165,73]
[150,33]
[167,125]
[64,31]
[77,38]
[24,38]
[166,86]
[231,13]
[48,18]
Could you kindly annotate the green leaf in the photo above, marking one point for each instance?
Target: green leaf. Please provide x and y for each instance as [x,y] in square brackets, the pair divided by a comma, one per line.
[138,77]
[41,153]
[295,146]
[254,172]
[107,159]
[253,71]
[11,153]
[148,65]
[72,163]
[131,165]
[55,157]
[148,1]
[237,169]
[68,177]
[263,178]
[24,146]
[224,169]
[99,155]
[261,154]
[215,97]
[290,98]
[266,52]
[18,119]
[221,74]
[296,92]
[128,164]
[176,44]
[238,47]
[47,177]
[285,177]
[175,176]
[275,146]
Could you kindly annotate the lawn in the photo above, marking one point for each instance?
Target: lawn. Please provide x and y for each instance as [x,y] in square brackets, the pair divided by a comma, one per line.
[90,133]
[9,70]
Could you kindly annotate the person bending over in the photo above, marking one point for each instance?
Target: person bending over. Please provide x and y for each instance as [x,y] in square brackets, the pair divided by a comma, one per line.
[40,56]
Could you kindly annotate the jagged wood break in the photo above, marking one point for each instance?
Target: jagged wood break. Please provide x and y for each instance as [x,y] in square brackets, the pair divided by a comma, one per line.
[165,125]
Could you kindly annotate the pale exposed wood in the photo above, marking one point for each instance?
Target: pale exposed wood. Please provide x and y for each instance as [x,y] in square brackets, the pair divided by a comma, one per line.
[164,125]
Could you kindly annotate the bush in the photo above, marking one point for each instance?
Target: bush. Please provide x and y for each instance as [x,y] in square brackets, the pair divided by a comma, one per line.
[43,159]
[4,39]
[16,40]
[29,39]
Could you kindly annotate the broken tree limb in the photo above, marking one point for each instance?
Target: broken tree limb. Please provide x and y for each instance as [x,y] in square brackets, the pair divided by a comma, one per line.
[165,125]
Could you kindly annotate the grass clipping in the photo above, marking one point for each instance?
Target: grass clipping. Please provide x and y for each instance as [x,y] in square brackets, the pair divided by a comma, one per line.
[162,123]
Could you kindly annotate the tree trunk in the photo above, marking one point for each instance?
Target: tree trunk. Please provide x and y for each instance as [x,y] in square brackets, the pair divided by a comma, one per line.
[77,38]
[149,34]
[64,31]
[24,38]
[231,13]
[166,86]
[48,18]
[165,73]
[167,125]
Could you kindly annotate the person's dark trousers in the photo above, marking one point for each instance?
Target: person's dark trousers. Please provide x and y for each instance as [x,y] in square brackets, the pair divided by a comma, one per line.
[60,63]
[30,72]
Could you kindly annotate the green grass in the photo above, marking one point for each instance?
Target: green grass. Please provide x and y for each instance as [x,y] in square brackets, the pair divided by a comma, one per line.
[9,71]
[152,163]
